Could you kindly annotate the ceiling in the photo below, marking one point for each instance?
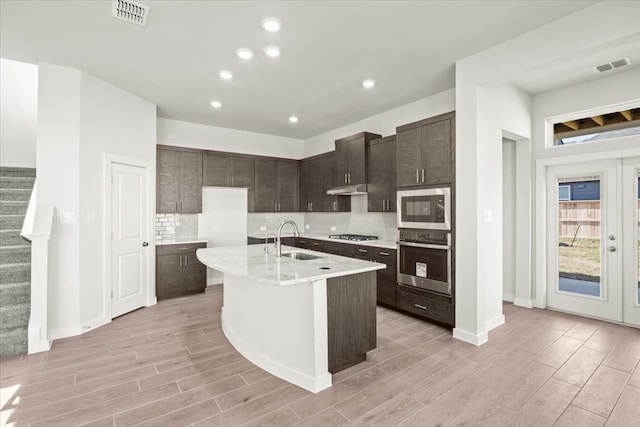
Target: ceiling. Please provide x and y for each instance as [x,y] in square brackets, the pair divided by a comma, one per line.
[328,48]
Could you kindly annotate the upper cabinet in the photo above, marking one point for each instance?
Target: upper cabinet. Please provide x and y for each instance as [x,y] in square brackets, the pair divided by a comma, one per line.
[227,170]
[350,160]
[425,152]
[317,175]
[276,185]
[179,181]
[381,162]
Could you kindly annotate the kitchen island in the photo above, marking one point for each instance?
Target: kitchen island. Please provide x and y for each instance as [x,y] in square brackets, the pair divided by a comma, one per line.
[300,320]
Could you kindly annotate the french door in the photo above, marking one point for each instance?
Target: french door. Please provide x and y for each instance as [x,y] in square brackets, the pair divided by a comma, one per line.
[592,239]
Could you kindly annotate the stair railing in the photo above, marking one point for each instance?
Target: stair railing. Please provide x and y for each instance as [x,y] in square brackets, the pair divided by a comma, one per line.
[37,228]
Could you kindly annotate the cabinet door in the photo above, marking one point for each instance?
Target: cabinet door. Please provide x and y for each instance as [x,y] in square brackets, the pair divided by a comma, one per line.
[168,196]
[168,276]
[390,175]
[241,171]
[377,186]
[341,162]
[332,203]
[409,158]
[194,273]
[265,186]
[436,152]
[357,161]
[190,182]
[306,172]
[216,170]
[316,198]
[287,186]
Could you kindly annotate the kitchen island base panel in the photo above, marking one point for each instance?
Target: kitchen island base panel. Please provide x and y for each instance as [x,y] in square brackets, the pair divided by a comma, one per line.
[281,329]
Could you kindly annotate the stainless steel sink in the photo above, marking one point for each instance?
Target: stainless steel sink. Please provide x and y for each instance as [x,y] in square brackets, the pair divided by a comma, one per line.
[301,256]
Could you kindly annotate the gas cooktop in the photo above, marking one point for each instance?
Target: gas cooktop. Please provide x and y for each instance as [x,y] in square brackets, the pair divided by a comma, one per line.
[354,237]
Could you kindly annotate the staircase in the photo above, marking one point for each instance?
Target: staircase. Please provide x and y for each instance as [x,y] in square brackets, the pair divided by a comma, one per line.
[16,185]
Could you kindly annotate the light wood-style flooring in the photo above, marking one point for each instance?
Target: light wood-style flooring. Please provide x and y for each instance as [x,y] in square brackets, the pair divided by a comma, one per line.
[170,365]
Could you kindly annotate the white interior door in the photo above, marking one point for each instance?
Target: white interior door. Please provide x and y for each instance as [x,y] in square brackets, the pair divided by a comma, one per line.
[129,227]
[583,238]
[631,244]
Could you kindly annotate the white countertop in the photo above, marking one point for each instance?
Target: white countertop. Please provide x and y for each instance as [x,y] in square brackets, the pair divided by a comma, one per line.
[250,261]
[387,244]
[180,241]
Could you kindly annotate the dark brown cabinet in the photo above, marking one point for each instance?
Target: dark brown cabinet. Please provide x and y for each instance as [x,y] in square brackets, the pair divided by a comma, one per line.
[276,185]
[317,175]
[350,160]
[425,304]
[381,161]
[425,152]
[224,170]
[178,271]
[179,181]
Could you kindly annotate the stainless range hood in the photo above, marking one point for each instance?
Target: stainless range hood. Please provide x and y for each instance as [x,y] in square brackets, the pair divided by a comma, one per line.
[348,190]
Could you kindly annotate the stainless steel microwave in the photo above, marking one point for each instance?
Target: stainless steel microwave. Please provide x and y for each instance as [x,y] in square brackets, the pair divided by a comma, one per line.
[428,208]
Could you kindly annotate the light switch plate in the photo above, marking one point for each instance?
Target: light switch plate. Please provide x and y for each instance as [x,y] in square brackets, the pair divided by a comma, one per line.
[488,216]
[66,217]
[306,226]
[333,229]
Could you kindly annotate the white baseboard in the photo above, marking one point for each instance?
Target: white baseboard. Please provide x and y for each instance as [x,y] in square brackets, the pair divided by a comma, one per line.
[494,323]
[469,337]
[523,302]
[35,344]
[70,331]
[216,281]
[508,297]
[93,324]
[152,301]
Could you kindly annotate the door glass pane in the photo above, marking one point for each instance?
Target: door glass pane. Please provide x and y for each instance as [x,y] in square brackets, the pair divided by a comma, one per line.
[579,236]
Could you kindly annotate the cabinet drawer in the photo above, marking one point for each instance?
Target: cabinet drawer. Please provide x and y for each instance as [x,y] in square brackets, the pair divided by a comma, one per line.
[179,248]
[426,306]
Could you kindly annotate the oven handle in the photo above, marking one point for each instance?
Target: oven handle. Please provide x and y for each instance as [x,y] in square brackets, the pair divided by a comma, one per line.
[424,245]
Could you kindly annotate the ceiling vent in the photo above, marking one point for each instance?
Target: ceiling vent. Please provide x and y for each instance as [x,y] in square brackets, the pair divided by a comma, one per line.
[612,65]
[130,11]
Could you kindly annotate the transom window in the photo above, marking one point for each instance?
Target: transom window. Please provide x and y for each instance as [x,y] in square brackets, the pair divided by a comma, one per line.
[597,128]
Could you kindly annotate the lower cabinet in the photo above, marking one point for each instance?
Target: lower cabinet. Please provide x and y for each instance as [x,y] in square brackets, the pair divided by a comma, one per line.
[426,304]
[178,271]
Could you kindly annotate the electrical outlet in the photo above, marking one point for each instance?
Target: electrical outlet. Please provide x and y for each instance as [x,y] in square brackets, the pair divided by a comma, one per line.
[488,216]
[306,226]
[263,228]
[333,229]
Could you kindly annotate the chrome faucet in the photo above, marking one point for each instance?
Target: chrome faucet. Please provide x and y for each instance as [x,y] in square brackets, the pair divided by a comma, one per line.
[278,240]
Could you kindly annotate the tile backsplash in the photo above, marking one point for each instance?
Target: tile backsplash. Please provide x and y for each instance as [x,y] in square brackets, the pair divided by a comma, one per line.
[172,226]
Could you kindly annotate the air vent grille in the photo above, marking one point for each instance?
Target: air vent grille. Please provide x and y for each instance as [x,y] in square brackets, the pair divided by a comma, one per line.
[130,11]
[612,65]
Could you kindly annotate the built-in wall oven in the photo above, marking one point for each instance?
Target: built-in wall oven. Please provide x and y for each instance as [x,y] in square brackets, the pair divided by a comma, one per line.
[424,259]
[427,208]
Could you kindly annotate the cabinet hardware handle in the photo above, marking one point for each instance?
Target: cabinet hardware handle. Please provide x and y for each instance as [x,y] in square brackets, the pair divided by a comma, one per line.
[345,178]
[316,244]
[180,260]
[417,175]
[186,261]
[303,242]
[363,250]
[420,306]
[422,175]
[383,253]
[384,205]
[349,178]
[311,203]
[232,181]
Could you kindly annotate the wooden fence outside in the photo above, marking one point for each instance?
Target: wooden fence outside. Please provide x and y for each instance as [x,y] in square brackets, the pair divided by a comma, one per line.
[584,214]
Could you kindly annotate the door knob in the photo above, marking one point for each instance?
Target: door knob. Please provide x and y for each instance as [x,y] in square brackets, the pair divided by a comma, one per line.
[145,244]
[612,237]
[612,248]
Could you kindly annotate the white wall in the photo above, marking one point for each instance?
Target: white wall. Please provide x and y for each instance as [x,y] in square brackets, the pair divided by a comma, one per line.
[18,113]
[384,123]
[80,120]
[508,219]
[193,135]
[223,221]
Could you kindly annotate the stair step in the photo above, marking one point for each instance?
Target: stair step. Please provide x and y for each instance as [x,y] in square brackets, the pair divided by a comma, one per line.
[11,222]
[15,293]
[13,171]
[13,341]
[13,207]
[12,238]
[15,273]
[17,195]
[15,254]
[14,316]
[16,182]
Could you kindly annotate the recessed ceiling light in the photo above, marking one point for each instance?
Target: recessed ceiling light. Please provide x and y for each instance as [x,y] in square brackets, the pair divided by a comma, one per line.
[368,83]
[216,104]
[225,74]
[293,119]
[272,51]
[271,24]
[244,53]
